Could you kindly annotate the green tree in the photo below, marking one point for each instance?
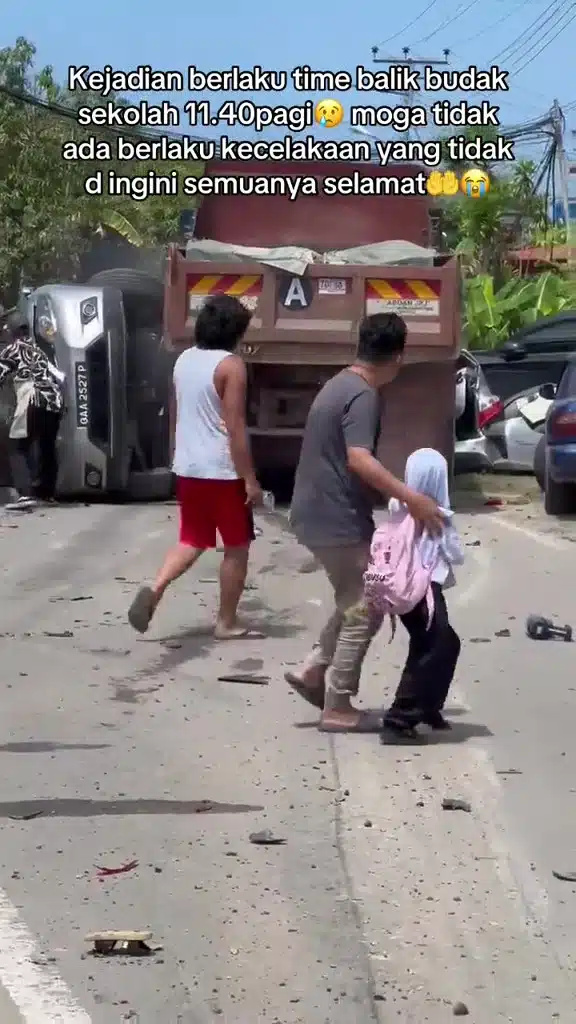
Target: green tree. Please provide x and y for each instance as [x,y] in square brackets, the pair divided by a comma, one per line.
[482,230]
[46,217]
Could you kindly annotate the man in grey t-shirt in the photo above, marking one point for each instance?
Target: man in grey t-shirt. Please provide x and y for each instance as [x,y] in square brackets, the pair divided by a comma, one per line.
[337,482]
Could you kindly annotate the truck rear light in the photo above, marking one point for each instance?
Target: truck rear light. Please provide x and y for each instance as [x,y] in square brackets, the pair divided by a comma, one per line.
[563,426]
[489,413]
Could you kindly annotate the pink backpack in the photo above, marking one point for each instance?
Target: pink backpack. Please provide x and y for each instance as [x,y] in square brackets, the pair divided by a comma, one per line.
[396,580]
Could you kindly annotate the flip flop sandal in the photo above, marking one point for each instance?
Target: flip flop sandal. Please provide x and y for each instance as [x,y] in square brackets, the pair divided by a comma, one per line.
[367,723]
[242,634]
[142,609]
[314,695]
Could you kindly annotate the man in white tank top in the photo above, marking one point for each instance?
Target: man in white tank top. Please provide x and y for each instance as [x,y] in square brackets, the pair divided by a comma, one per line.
[216,484]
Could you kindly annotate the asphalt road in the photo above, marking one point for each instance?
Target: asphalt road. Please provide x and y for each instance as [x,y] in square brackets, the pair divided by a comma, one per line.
[380,906]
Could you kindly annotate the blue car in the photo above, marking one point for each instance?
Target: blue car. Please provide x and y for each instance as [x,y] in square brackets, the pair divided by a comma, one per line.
[555,456]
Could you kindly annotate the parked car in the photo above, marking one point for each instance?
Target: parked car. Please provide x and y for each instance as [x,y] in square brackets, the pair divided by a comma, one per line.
[535,354]
[555,455]
[475,408]
[514,434]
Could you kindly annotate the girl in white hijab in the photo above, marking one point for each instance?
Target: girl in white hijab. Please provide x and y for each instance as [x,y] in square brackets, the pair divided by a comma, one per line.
[434,647]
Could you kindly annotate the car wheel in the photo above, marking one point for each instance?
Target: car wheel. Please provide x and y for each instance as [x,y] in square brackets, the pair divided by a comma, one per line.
[540,463]
[559,499]
[142,295]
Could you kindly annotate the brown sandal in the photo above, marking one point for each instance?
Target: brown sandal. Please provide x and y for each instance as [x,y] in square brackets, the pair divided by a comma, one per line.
[314,695]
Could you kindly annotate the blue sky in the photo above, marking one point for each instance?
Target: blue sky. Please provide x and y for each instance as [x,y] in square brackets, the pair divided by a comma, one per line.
[327,36]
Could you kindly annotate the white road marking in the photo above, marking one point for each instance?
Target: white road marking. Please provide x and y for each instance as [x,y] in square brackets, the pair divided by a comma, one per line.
[541,538]
[38,992]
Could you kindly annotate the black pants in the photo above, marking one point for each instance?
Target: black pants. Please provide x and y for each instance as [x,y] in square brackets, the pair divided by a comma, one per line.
[33,459]
[430,666]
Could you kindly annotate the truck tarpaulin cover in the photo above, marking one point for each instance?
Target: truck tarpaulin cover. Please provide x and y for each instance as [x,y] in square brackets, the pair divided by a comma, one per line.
[294,260]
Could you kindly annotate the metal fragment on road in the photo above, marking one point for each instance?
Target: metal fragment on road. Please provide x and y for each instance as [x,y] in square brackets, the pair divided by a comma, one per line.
[454,804]
[121,943]
[265,838]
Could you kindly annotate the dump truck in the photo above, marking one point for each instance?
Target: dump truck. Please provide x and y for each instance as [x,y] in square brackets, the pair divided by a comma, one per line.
[304,328]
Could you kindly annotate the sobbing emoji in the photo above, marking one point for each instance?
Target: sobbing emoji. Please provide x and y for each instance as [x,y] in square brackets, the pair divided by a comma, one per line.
[329,113]
[475,183]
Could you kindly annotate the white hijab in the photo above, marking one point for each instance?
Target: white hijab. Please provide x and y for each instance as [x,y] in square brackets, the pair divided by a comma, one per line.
[427,472]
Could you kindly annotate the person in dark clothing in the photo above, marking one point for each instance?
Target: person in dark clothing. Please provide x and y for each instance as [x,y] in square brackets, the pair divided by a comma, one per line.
[434,645]
[429,670]
[38,387]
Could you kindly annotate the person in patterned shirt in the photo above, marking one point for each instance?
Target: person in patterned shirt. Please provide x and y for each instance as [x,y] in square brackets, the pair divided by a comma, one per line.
[38,387]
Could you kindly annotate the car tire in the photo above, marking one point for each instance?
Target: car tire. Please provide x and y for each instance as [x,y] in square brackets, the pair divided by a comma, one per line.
[540,463]
[559,499]
[142,295]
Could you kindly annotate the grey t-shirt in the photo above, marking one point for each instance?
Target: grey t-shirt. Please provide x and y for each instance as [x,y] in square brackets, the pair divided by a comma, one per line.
[330,505]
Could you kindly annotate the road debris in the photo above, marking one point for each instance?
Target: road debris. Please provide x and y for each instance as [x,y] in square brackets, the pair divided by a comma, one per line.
[87,597]
[472,543]
[509,771]
[26,817]
[540,628]
[245,677]
[104,872]
[460,1010]
[65,634]
[265,838]
[454,804]
[480,640]
[121,943]
[565,876]
[502,632]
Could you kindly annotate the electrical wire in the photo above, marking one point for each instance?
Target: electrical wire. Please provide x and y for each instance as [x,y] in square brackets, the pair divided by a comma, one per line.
[536,25]
[410,23]
[490,28]
[546,44]
[71,113]
[458,13]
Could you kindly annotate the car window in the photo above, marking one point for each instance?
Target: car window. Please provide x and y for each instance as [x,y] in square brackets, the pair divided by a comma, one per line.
[544,344]
[567,385]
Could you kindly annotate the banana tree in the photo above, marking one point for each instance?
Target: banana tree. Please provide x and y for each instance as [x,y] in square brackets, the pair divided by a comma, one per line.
[492,315]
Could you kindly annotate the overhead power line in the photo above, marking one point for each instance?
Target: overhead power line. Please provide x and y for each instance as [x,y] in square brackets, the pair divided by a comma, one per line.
[529,32]
[454,16]
[71,114]
[410,24]
[546,42]
[492,26]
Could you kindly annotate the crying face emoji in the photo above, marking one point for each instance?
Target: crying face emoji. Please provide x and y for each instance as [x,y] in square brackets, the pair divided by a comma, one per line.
[329,113]
[475,183]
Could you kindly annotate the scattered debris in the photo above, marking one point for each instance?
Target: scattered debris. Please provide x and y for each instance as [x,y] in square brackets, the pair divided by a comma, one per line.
[210,579]
[502,632]
[540,628]
[88,597]
[565,876]
[367,823]
[104,872]
[480,640]
[64,635]
[472,543]
[245,677]
[203,807]
[509,771]
[172,645]
[121,943]
[460,1010]
[451,804]
[26,817]
[265,838]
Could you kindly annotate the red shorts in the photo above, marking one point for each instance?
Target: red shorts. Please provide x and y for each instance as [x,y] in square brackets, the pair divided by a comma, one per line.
[210,506]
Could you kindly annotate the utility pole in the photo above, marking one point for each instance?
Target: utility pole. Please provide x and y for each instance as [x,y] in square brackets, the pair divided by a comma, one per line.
[410,62]
[558,126]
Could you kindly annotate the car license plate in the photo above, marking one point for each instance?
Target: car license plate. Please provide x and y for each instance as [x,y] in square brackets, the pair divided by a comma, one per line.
[331,286]
[81,378]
